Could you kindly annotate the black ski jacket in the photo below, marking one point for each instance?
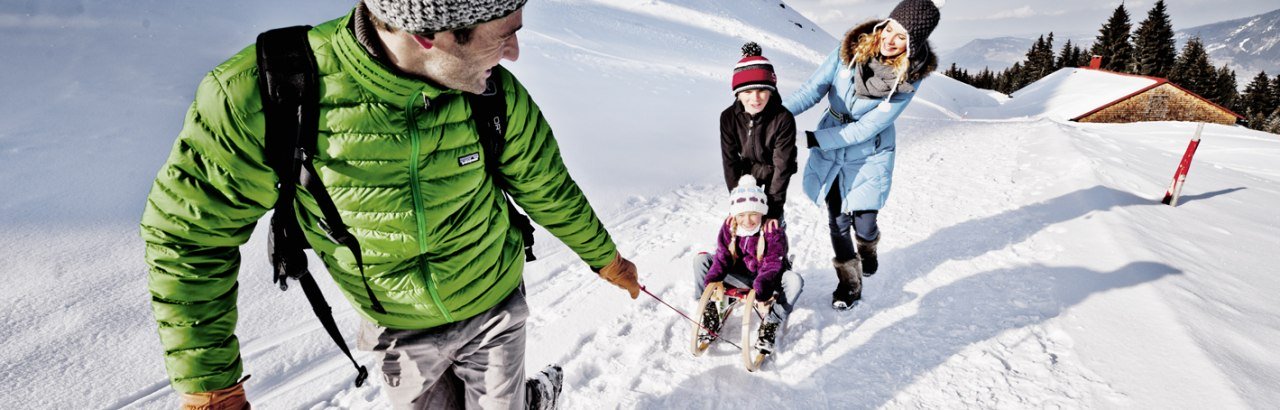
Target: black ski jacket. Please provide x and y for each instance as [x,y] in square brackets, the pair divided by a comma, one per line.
[763,145]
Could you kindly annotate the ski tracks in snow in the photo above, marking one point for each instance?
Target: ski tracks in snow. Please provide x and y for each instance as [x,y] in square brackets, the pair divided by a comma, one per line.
[956,316]
[963,313]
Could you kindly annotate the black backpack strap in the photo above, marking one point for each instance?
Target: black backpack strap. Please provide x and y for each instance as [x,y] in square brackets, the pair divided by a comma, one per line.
[489,112]
[288,82]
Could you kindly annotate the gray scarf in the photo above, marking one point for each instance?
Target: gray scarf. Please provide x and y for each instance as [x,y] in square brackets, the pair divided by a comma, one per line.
[875,79]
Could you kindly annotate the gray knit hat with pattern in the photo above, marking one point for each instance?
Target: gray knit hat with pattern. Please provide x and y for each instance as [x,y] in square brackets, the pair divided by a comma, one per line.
[435,16]
[919,17]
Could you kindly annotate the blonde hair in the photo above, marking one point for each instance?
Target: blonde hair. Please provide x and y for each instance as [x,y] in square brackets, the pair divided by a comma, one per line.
[869,45]
[733,240]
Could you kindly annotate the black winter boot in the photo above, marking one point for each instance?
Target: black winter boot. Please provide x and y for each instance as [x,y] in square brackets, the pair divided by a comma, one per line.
[849,288]
[768,332]
[867,251]
[542,391]
[711,319]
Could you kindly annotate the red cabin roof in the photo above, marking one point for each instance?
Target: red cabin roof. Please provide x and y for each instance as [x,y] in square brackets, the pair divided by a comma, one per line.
[1158,82]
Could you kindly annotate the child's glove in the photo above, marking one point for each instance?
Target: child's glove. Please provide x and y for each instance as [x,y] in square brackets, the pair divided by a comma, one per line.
[763,293]
[622,272]
[231,398]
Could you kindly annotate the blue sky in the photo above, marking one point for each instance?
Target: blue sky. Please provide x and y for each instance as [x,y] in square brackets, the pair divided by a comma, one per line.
[964,20]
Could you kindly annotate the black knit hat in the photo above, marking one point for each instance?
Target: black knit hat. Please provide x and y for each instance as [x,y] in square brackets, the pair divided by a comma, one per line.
[919,17]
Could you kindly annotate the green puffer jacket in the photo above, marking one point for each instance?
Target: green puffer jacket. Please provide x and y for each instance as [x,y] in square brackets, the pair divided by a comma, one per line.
[437,243]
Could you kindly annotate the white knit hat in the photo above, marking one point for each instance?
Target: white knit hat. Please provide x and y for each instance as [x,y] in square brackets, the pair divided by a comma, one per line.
[748,197]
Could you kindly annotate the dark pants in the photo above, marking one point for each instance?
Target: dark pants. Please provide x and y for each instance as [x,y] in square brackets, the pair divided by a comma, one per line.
[862,223]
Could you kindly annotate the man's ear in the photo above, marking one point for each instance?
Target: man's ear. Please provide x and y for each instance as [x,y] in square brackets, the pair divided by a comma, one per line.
[423,41]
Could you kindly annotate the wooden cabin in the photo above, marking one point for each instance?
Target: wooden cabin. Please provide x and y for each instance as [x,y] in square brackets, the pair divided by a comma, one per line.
[1161,101]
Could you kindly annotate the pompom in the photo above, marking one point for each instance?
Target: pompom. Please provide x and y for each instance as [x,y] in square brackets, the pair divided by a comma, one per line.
[747,180]
[939,3]
[751,50]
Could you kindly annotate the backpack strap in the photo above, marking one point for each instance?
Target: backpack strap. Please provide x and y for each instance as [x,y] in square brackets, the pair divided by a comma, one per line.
[489,112]
[288,83]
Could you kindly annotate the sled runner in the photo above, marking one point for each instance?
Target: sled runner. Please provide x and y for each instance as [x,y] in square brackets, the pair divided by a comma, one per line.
[715,307]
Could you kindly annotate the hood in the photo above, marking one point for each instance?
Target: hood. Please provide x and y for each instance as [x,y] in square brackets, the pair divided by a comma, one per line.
[921,66]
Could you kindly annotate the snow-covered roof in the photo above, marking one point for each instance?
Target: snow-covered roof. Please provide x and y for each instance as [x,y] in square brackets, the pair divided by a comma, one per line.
[1071,92]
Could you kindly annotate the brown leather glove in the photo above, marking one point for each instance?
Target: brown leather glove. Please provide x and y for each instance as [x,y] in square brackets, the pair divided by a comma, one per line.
[231,398]
[622,272]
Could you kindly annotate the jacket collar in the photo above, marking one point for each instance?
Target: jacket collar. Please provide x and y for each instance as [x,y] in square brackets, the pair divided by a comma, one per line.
[775,104]
[384,81]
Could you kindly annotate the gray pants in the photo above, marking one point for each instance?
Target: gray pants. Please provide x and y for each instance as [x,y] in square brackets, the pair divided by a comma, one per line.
[474,363]
[792,285]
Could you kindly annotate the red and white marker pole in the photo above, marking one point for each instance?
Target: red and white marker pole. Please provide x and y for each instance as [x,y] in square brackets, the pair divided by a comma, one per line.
[1180,176]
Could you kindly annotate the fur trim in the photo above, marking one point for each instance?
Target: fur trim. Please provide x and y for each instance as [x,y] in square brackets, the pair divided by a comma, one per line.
[919,68]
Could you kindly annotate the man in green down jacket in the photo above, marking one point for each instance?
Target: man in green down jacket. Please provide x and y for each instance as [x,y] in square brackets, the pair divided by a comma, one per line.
[438,250]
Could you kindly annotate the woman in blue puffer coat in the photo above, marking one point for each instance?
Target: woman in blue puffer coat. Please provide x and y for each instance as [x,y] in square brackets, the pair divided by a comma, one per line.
[868,81]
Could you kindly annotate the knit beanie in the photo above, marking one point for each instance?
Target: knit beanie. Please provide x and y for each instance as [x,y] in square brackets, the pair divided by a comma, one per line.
[753,71]
[748,197]
[919,17]
[435,16]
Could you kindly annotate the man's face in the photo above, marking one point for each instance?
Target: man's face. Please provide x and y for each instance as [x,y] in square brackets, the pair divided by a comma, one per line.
[753,101]
[465,67]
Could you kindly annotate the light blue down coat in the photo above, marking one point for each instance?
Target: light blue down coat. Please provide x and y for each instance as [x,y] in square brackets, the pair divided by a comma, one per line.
[860,153]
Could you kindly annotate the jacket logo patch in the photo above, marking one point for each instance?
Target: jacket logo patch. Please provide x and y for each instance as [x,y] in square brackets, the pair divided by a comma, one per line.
[469,158]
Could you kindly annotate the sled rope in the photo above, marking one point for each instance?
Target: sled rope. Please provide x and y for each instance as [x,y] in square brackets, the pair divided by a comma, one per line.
[714,334]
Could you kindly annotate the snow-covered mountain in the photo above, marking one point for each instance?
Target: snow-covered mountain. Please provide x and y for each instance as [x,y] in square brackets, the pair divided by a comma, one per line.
[1025,260]
[1249,45]
[1001,52]
[993,53]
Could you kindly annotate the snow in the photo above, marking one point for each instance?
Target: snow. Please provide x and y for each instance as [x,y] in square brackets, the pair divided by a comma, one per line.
[1067,93]
[1026,261]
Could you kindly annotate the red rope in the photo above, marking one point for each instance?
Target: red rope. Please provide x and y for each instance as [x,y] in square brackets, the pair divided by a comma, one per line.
[709,331]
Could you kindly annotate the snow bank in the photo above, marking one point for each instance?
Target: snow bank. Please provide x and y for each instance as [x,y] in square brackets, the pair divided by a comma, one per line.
[942,97]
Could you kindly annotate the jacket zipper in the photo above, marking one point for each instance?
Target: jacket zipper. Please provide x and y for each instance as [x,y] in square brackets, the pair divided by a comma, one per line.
[415,140]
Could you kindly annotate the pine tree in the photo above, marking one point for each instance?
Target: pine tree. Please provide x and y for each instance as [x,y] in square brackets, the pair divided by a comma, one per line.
[1039,62]
[1225,94]
[1154,49]
[1033,56]
[1192,69]
[1273,123]
[1009,80]
[1113,41]
[952,72]
[1045,57]
[1275,93]
[1257,121]
[1257,96]
[1065,59]
[1082,58]
[985,79]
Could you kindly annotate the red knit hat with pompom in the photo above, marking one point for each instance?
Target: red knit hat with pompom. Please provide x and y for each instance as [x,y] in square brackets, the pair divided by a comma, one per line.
[753,71]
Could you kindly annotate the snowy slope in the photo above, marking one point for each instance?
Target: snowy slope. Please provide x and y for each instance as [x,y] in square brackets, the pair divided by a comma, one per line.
[942,97]
[1025,260]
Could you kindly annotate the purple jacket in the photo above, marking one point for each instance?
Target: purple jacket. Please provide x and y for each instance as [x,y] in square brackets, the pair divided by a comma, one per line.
[767,271]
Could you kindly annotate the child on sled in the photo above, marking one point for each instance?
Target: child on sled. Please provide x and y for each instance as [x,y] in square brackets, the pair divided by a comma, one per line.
[748,257]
